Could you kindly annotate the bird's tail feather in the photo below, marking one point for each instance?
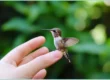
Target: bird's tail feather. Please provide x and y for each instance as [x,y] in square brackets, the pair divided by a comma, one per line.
[67,56]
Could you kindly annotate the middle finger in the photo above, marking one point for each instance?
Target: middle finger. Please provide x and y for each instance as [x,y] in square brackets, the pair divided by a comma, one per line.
[34,54]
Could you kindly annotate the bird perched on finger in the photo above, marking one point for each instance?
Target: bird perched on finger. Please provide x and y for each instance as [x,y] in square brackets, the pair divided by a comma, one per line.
[60,43]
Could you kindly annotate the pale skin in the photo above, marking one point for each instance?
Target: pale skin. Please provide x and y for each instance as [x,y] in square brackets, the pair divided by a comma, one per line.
[19,64]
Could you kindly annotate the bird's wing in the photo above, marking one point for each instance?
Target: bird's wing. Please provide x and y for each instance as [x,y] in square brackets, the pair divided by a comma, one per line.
[70,41]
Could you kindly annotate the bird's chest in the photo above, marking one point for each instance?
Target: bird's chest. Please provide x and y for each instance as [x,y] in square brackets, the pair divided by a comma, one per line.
[58,42]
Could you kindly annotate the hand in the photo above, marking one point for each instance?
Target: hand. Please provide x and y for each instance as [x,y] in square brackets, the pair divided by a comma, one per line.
[18,63]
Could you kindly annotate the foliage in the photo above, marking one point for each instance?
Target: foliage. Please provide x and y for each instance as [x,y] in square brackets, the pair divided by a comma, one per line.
[86,20]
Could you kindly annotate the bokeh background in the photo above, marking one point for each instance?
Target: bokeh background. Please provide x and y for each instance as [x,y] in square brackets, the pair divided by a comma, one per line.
[88,20]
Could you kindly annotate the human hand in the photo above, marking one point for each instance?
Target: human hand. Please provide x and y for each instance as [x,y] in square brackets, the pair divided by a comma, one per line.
[18,63]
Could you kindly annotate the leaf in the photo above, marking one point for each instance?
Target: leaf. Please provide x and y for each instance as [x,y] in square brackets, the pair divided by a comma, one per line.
[18,6]
[60,8]
[19,24]
[19,39]
[33,13]
[89,48]
[49,42]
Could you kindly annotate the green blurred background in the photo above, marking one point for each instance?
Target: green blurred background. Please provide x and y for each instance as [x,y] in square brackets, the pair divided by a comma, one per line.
[89,21]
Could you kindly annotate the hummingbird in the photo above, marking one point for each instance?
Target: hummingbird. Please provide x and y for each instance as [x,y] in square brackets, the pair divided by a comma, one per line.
[60,43]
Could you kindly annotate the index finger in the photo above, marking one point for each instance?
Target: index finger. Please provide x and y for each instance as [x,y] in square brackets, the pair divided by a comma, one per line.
[19,52]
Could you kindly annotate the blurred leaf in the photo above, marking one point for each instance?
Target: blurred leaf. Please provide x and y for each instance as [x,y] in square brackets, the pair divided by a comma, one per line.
[43,7]
[99,75]
[22,8]
[106,67]
[56,70]
[19,40]
[18,6]
[33,13]
[84,37]
[89,48]
[49,42]
[85,63]
[100,38]
[19,24]
[60,7]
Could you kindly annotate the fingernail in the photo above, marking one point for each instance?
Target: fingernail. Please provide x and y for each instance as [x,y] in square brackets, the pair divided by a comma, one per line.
[57,54]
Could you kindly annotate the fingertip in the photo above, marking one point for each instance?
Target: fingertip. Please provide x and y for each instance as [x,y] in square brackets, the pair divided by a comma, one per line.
[57,54]
[58,51]
[45,49]
[40,75]
[44,71]
[42,37]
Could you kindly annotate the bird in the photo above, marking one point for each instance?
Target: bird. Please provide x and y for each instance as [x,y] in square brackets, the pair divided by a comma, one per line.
[61,43]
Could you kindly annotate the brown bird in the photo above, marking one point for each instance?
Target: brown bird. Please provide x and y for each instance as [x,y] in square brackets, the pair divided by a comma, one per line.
[62,43]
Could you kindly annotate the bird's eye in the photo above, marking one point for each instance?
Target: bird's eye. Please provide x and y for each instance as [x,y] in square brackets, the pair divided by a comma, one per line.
[54,31]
